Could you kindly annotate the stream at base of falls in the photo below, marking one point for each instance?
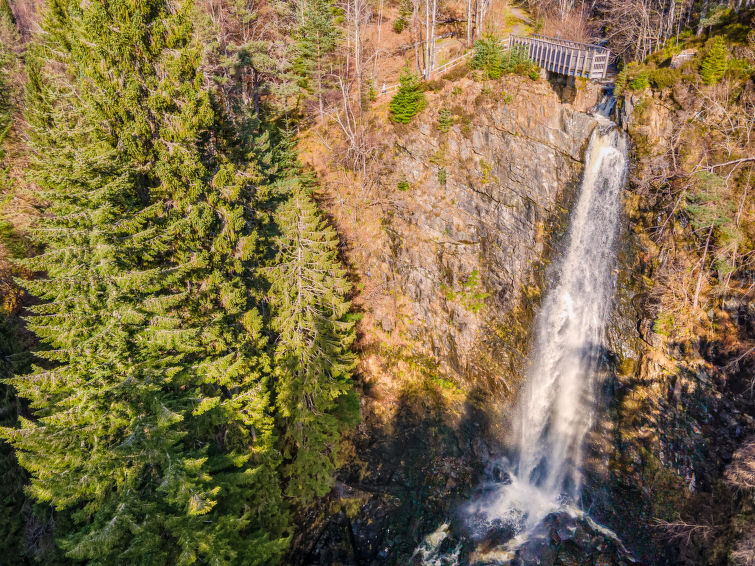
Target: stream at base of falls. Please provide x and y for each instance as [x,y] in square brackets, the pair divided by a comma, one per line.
[533,497]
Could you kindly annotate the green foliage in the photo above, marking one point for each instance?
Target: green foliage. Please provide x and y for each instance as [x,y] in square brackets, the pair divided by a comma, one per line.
[705,203]
[458,72]
[13,243]
[620,84]
[739,69]
[409,100]
[664,77]
[712,207]
[313,362]
[494,60]
[713,66]
[400,23]
[670,47]
[152,432]
[445,120]
[316,37]
[403,185]
[488,56]
[663,324]
[442,176]
[404,11]
[641,81]
[469,295]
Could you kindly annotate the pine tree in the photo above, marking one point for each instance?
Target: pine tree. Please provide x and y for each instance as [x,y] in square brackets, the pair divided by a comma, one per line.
[313,361]
[714,65]
[153,432]
[409,100]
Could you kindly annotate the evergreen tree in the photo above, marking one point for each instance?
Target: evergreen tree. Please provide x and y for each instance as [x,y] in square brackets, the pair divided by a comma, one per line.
[316,38]
[152,430]
[313,362]
[409,100]
[714,65]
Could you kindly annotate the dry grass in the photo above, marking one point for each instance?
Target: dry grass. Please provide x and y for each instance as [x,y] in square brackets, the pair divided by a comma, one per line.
[741,472]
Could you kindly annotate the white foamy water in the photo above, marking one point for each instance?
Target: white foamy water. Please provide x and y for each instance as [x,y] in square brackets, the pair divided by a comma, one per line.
[555,410]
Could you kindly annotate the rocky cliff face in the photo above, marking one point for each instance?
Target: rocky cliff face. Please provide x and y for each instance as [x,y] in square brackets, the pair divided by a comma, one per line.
[473,212]
[448,242]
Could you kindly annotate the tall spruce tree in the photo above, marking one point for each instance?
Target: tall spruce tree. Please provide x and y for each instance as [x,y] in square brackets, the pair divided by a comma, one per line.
[316,38]
[313,361]
[152,430]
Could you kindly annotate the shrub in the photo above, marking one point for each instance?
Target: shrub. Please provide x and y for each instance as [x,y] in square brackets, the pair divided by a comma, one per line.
[403,185]
[434,85]
[442,176]
[663,324]
[493,60]
[458,72]
[488,56]
[404,11]
[370,93]
[445,120]
[534,72]
[739,69]
[409,100]
[664,78]
[714,64]
[621,82]
[641,81]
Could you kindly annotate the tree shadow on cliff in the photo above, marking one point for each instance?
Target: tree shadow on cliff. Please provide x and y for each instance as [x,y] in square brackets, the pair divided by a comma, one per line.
[407,476]
[676,424]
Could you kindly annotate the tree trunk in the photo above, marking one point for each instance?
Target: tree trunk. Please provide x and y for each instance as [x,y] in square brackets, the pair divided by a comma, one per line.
[703,15]
[427,40]
[432,37]
[469,23]
[379,30]
[357,53]
[702,271]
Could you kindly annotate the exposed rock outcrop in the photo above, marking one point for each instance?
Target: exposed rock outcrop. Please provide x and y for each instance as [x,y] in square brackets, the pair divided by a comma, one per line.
[471,225]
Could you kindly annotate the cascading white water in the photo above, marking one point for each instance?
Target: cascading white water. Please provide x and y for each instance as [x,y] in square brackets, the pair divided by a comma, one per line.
[556,407]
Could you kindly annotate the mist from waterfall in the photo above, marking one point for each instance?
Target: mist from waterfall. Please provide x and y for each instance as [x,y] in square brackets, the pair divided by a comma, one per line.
[556,406]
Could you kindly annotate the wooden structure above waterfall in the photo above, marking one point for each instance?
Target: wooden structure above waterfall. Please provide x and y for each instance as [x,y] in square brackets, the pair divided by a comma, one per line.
[565,57]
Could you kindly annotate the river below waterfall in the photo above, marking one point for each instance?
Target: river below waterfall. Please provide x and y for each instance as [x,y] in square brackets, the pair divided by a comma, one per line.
[534,494]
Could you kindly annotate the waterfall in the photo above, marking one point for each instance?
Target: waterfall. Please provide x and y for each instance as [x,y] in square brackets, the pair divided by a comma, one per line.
[556,407]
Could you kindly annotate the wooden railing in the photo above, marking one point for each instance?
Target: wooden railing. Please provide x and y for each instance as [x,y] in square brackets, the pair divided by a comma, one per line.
[565,57]
[550,53]
[435,72]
